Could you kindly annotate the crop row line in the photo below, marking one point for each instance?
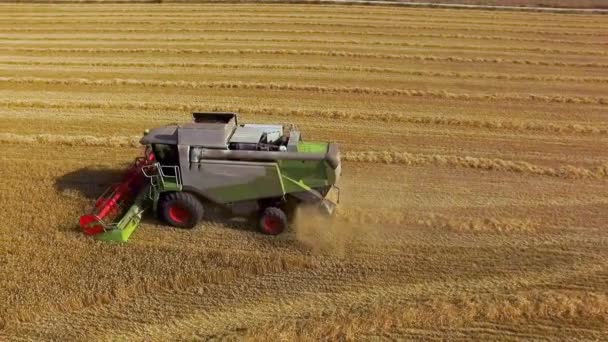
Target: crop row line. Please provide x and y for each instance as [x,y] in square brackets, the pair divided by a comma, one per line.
[440,94]
[521,126]
[333,53]
[297,32]
[402,15]
[488,164]
[164,28]
[319,67]
[330,41]
[388,117]
[292,31]
[311,13]
[288,18]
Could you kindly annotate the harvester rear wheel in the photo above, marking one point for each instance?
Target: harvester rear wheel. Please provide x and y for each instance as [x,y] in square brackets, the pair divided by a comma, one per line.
[273,221]
[181,209]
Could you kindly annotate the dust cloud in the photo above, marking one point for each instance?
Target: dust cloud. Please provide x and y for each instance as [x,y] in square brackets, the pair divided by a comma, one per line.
[325,234]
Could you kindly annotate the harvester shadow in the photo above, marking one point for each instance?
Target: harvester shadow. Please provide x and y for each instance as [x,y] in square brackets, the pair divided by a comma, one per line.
[88,182]
[91,182]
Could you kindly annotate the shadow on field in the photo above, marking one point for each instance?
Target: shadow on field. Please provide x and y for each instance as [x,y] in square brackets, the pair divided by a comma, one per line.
[89,182]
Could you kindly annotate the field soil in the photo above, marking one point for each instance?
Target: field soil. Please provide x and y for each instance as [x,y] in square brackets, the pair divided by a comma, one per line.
[474,195]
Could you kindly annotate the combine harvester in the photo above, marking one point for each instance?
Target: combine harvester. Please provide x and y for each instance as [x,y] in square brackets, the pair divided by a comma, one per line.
[253,171]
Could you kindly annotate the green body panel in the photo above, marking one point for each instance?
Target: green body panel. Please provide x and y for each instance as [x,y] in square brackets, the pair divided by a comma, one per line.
[170,185]
[280,178]
[312,147]
[303,175]
[267,184]
[129,222]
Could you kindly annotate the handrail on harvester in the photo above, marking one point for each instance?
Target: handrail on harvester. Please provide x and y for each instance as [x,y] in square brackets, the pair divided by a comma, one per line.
[155,172]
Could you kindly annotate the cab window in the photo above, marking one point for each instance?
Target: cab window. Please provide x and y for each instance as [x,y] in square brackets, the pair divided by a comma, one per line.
[166,154]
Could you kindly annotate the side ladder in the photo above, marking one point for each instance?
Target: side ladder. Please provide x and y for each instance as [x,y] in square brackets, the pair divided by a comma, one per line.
[163,178]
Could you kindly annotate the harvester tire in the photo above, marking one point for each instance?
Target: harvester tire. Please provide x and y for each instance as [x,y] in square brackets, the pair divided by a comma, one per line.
[273,221]
[181,209]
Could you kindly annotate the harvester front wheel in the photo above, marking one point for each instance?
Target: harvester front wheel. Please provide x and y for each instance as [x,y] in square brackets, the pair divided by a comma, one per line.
[273,221]
[181,209]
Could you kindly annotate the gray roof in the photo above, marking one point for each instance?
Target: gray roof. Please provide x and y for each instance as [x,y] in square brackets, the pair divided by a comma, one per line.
[247,135]
[161,135]
[211,135]
[206,134]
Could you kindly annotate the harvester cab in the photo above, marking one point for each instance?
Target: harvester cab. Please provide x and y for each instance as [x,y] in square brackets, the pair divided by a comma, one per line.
[253,170]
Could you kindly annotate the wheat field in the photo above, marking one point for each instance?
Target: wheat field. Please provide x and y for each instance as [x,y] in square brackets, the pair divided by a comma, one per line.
[474,196]
[591,4]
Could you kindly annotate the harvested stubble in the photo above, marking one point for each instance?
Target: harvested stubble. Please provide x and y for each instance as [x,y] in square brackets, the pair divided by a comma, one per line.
[474,194]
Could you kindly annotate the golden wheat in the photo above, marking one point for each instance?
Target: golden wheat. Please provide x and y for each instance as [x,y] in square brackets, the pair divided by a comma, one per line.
[334,53]
[307,88]
[472,198]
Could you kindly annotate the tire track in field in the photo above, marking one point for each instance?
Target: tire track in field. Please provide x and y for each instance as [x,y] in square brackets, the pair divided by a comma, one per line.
[329,41]
[388,117]
[439,94]
[465,26]
[421,58]
[386,157]
[319,67]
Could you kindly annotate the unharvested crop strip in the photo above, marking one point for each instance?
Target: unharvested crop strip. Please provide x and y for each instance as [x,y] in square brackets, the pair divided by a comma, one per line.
[318,67]
[439,94]
[422,58]
[489,164]
[323,114]
[334,42]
